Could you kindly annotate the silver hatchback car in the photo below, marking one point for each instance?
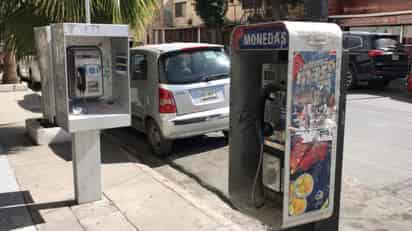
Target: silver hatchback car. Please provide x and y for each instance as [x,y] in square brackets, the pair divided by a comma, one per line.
[179,90]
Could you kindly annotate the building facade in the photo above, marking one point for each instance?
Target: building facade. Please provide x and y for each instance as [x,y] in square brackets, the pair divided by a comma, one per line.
[177,21]
[393,16]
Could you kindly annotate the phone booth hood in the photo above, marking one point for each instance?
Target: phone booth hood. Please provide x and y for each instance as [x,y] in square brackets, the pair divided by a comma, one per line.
[91,73]
[311,54]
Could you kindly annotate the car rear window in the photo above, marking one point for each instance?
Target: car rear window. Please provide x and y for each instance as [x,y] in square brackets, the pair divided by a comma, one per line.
[192,66]
[386,42]
[351,42]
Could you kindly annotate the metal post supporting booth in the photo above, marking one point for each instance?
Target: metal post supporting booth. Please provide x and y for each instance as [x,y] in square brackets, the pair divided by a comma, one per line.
[284,122]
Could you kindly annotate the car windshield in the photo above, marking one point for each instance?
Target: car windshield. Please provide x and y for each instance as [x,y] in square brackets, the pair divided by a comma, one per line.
[184,67]
[386,42]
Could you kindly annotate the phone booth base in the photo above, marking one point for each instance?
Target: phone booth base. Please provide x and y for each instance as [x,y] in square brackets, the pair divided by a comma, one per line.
[86,166]
[285,93]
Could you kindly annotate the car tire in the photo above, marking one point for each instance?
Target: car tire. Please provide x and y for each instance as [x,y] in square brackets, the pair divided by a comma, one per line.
[226,134]
[35,86]
[351,80]
[160,146]
[18,71]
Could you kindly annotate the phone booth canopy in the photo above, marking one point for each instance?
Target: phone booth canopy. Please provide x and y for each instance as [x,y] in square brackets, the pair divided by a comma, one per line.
[91,75]
[285,88]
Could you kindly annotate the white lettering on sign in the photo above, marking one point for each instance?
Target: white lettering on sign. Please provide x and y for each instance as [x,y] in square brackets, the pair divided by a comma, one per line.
[266,39]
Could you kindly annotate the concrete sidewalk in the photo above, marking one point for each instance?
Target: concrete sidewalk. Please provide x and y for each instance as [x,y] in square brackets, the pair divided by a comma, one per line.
[12,214]
[15,108]
[134,196]
[40,181]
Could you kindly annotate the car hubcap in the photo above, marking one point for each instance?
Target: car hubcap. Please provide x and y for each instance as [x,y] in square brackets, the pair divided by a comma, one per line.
[349,79]
[155,137]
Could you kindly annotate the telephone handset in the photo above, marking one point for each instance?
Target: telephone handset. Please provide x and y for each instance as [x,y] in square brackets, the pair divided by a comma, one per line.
[273,100]
[273,112]
[85,72]
[84,76]
[81,79]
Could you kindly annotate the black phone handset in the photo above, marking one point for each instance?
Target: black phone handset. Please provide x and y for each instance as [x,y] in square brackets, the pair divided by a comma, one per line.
[81,84]
[81,79]
[263,129]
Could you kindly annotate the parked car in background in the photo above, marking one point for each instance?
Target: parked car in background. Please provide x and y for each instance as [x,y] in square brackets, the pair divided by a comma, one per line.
[179,90]
[28,70]
[375,58]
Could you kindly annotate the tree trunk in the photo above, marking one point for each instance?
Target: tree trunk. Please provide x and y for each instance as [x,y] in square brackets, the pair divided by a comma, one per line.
[316,10]
[10,68]
[218,31]
[278,9]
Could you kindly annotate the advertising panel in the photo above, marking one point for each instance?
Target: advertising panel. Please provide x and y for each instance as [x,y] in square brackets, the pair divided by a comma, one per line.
[312,133]
[313,120]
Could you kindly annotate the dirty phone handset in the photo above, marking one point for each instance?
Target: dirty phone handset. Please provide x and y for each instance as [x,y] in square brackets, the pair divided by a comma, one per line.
[81,84]
[81,79]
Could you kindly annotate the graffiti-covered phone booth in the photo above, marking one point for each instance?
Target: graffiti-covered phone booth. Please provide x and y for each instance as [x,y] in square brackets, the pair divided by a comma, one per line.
[285,104]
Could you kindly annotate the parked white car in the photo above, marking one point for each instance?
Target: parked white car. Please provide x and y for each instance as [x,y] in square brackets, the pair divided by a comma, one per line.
[179,90]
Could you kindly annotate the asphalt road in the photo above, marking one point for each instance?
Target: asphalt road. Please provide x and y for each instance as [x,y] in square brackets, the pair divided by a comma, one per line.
[378,141]
[377,158]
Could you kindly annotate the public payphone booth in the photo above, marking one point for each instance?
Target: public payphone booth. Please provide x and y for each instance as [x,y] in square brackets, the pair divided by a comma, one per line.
[92,93]
[285,92]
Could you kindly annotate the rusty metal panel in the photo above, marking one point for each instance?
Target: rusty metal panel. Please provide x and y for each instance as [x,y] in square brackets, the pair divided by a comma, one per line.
[367,6]
[376,21]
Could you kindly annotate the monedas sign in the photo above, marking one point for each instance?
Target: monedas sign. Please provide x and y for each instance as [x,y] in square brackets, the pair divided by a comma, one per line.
[262,38]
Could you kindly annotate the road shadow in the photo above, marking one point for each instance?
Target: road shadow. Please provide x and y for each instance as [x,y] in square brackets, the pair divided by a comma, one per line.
[396,91]
[31,102]
[13,138]
[198,145]
[18,210]
[109,155]
[136,144]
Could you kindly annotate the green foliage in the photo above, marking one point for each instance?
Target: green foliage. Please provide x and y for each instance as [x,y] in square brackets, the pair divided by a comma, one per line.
[212,12]
[295,2]
[18,29]
[19,17]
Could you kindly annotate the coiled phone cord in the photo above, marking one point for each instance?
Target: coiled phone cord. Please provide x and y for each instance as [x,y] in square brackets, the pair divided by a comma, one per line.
[259,168]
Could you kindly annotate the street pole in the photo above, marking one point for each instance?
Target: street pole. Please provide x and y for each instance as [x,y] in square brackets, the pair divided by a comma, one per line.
[316,10]
[87,8]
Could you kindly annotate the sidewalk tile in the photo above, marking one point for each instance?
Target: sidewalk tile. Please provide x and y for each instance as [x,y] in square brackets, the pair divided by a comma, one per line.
[101,215]
[145,201]
[58,219]
[51,182]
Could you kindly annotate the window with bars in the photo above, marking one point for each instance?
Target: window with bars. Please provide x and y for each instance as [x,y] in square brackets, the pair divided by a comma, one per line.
[180,9]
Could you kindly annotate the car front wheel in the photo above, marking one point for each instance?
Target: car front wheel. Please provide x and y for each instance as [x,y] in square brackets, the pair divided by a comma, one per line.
[378,84]
[161,146]
[226,134]
[351,78]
